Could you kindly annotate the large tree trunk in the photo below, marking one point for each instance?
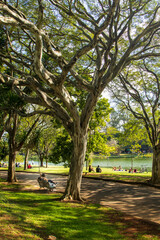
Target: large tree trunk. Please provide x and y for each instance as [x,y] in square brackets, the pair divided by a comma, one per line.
[76,169]
[156,164]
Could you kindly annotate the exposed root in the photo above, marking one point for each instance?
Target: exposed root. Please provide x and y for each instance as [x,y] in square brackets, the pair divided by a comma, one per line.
[68,197]
[152,181]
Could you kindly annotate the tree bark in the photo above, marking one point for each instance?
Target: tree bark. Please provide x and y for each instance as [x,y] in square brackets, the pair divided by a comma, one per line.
[11,127]
[12,157]
[26,159]
[76,169]
[46,162]
[156,164]
[2,120]
[41,157]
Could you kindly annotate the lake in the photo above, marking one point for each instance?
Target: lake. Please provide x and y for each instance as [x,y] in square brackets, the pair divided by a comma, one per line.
[124,162]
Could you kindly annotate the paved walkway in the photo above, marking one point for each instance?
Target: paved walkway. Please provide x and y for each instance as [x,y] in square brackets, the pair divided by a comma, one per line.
[137,200]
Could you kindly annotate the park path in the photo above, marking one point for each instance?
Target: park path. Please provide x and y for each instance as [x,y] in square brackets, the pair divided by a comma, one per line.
[136,200]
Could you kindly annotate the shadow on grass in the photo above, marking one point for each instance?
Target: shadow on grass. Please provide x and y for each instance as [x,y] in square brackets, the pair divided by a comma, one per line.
[37,215]
[43,215]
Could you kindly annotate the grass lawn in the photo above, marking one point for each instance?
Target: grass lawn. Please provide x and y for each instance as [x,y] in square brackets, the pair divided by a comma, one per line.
[107,173]
[38,215]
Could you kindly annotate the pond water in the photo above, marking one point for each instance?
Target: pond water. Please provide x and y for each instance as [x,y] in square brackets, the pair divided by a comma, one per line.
[124,162]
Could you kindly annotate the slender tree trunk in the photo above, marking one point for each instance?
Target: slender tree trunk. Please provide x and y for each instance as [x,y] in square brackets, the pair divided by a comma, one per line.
[46,155]
[76,169]
[26,159]
[41,159]
[46,162]
[156,164]
[12,157]
[1,133]
[11,125]
[2,120]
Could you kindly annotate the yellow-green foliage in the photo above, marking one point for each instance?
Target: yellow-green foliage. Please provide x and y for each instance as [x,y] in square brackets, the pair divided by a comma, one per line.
[19,158]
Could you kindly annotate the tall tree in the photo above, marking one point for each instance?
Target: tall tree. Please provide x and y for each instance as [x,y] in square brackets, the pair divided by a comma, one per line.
[31,141]
[15,142]
[125,128]
[97,139]
[45,134]
[140,94]
[10,104]
[61,49]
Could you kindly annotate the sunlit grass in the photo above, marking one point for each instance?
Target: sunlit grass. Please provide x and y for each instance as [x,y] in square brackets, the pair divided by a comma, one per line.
[121,175]
[112,172]
[64,170]
[50,169]
[106,173]
[37,215]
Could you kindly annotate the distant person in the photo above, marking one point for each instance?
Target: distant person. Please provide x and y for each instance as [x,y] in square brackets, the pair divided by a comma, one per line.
[4,165]
[120,168]
[98,169]
[91,169]
[29,166]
